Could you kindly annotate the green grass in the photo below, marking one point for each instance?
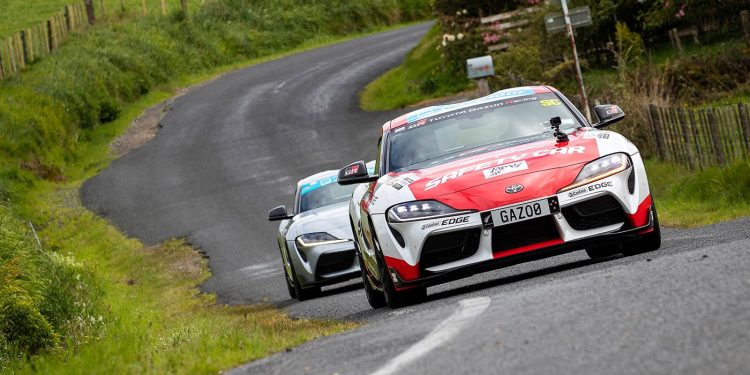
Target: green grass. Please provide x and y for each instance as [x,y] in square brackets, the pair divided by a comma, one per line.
[19,14]
[56,122]
[141,329]
[419,78]
[692,198]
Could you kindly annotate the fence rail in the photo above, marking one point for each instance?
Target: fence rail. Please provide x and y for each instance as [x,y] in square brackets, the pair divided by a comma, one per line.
[700,138]
[42,39]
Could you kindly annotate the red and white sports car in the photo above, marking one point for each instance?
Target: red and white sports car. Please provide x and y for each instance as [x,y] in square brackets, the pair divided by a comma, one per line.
[511,177]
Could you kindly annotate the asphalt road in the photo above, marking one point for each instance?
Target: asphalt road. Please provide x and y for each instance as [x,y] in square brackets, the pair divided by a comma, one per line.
[234,148]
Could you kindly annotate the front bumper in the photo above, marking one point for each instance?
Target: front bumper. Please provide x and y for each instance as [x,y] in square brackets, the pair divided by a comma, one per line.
[461,272]
[571,226]
[324,265]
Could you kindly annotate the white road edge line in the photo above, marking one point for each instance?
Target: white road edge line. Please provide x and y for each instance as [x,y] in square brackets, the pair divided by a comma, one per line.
[446,330]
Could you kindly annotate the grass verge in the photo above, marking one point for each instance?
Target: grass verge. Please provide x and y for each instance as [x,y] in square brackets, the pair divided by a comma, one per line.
[693,198]
[420,77]
[134,309]
[153,319]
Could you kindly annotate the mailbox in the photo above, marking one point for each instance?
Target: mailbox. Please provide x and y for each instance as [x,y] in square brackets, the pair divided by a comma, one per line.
[480,67]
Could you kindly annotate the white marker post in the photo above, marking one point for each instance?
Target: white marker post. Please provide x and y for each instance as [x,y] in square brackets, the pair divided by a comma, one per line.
[579,75]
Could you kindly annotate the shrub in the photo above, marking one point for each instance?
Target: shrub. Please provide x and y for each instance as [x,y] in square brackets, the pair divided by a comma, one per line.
[46,300]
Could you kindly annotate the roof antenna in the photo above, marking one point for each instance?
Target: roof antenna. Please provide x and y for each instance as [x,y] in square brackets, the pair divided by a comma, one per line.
[556,122]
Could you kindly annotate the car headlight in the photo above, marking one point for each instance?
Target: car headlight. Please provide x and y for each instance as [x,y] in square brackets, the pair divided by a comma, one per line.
[317,239]
[600,168]
[419,210]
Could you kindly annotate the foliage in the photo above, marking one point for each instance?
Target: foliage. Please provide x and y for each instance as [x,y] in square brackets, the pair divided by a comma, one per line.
[475,8]
[664,14]
[630,46]
[688,198]
[45,299]
[699,78]
[156,320]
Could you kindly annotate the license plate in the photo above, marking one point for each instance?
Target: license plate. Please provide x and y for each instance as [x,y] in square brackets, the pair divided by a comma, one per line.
[521,212]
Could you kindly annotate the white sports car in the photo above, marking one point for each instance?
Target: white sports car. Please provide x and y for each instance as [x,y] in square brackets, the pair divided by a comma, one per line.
[315,240]
[511,177]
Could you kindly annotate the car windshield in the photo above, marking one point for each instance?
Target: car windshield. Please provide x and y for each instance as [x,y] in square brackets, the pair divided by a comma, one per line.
[472,130]
[323,192]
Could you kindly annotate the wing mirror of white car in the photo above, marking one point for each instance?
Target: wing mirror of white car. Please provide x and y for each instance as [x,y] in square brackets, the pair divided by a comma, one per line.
[608,114]
[278,213]
[355,173]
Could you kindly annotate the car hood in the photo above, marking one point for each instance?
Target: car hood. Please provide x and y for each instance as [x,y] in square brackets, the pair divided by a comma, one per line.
[333,219]
[478,181]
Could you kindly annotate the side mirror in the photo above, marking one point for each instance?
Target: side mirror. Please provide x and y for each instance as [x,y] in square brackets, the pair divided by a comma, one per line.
[608,114]
[278,213]
[355,173]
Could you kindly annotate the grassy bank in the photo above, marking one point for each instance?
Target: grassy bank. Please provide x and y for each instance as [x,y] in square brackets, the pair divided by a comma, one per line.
[420,77]
[19,14]
[690,198]
[92,298]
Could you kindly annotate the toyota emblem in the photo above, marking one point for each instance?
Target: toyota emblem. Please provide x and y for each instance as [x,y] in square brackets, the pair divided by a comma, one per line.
[512,189]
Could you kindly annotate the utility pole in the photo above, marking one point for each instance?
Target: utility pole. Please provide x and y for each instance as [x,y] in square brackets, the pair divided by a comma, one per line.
[579,75]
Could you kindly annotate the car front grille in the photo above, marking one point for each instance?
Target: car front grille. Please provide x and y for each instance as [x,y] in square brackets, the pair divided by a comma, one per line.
[594,213]
[449,247]
[335,262]
[529,232]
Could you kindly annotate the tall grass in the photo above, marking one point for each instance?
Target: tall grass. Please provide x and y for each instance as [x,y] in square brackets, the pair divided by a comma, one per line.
[689,198]
[46,299]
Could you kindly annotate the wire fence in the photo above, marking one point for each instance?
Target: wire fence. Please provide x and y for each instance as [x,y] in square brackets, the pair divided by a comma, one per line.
[30,44]
[25,47]
[699,138]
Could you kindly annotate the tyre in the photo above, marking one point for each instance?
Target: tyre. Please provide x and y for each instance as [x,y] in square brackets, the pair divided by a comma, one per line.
[394,298]
[289,286]
[301,293]
[648,242]
[603,251]
[375,298]
[304,294]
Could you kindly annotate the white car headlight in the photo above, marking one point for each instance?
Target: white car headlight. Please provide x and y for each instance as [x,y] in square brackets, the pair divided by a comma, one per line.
[600,168]
[317,239]
[418,210]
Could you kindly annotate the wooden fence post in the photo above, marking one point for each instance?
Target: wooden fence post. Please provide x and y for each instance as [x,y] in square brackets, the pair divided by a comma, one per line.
[677,40]
[163,7]
[683,123]
[746,25]
[90,11]
[144,7]
[694,133]
[25,44]
[68,18]
[745,123]
[656,131]
[50,34]
[2,70]
[184,5]
[715,136]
